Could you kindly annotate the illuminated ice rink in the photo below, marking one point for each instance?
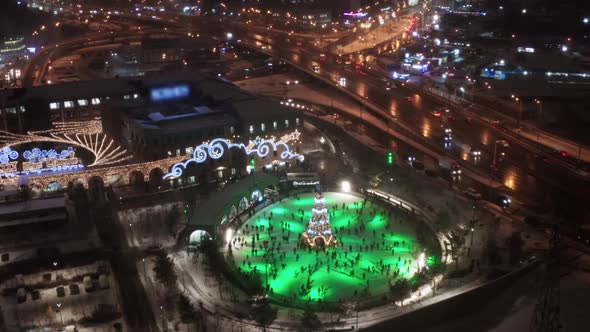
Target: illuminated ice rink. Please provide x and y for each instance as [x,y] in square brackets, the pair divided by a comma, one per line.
[375,246]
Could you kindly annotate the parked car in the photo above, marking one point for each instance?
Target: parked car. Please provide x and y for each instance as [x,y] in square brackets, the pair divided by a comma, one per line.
[103,281]
[74,289]
[88,284]
[21,295]
[61,291]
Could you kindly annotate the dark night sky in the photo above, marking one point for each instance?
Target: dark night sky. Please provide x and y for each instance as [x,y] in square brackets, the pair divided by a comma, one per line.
[17,20]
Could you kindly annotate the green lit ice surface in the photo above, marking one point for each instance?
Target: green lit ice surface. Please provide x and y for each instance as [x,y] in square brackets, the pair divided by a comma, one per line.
[389,241]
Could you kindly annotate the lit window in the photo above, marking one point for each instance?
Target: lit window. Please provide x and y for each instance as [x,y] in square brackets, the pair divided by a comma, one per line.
[54,106]
[232,130]
[189,150]
[68,104]
[169,153]
[287,123]
[126,97]
[22,109]
[262,127]
[297,121]
[82,102]
[95,101]
[11,110]
[251,129]
[178,152]
[135,96]
[275,125]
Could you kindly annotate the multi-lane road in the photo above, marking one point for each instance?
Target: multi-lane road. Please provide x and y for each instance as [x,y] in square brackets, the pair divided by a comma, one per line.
[530,175]
[536,176]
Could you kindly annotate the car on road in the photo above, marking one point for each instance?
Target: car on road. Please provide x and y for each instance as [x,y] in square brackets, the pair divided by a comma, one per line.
[455,169]
[475,153]
[436,113]
[388,84]
[410,98]
[469,120]
[472,193]
[316,69]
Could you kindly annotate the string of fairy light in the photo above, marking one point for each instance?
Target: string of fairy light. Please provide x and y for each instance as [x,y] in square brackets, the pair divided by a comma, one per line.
[83,134]
[145,168]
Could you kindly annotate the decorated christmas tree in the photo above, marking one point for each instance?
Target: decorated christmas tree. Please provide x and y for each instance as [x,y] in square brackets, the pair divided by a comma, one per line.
[319,230]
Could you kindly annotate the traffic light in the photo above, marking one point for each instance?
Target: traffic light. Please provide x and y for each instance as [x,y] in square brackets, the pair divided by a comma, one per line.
[390,158]
[253,163]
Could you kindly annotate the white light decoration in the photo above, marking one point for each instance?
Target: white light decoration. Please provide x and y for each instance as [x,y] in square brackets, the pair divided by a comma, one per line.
[229,233]
[84,134]
[421,261]
[319,229]
[216,148]
[345,186]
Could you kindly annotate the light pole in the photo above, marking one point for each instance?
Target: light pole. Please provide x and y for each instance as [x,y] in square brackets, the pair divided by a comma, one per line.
[60,314]
[539,113]
[164,325]
[144,272]
[493,168]
[504,144]
[540,105]
[519,101]
[131,234]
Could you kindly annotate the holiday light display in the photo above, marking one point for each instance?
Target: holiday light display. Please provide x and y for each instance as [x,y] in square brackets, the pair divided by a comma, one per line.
[84,134]
[319,230]
[216,148]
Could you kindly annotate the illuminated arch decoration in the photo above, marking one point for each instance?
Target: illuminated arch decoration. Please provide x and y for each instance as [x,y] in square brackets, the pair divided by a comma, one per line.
[216,148]
[84,134]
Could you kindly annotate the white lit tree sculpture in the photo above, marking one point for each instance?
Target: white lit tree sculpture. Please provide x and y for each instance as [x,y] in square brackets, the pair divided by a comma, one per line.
[319,230]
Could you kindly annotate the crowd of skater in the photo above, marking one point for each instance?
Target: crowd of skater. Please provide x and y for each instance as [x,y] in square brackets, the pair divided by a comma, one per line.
[269,249]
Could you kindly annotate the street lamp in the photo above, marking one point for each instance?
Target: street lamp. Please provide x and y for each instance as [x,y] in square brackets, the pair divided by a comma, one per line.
[504,144]
[519,101]
[60,314]
[229,233]
[345,186]
[540,104]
